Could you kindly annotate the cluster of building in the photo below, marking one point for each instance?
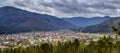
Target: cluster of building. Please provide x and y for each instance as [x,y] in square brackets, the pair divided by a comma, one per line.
[34,38]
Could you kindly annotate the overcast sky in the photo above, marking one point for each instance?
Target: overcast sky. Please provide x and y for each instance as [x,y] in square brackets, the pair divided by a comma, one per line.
[68,8]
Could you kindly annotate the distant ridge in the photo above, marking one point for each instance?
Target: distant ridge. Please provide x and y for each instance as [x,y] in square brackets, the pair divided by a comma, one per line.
[104,27]
[85,22]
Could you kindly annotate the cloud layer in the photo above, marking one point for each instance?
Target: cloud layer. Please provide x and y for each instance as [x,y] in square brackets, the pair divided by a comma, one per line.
[68,8]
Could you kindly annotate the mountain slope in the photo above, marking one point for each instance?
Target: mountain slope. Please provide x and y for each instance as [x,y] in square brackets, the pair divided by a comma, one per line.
[13,20]
[103,27]
[84,22]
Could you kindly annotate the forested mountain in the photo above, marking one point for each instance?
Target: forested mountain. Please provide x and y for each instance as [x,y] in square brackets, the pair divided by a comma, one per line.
[103,27]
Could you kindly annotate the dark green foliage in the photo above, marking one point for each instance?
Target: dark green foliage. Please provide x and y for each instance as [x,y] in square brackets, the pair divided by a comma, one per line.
[116,29]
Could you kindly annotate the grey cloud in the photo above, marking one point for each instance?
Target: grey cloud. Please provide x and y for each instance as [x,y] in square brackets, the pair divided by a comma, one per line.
[69,7]
[103,6]
[115,1]
[19,3]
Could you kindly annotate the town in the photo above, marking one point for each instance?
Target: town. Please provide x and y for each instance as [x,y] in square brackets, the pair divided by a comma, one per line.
[35,38]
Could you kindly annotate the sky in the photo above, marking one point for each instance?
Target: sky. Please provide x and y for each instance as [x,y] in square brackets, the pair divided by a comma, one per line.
[68,8]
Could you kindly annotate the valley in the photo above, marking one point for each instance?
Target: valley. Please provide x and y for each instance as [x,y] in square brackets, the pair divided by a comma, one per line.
[59,26]
[35,38]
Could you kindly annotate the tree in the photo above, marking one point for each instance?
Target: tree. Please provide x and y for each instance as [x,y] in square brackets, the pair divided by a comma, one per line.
[116,30]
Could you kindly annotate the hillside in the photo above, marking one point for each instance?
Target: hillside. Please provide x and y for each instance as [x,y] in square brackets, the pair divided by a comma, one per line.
[103,27]
[13,20]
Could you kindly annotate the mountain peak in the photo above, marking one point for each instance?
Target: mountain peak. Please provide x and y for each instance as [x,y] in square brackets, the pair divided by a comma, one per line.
[107,17]
[7,10]
[8,7]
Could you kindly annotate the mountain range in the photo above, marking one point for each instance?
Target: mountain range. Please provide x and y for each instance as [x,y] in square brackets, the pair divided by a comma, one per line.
[15,20]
